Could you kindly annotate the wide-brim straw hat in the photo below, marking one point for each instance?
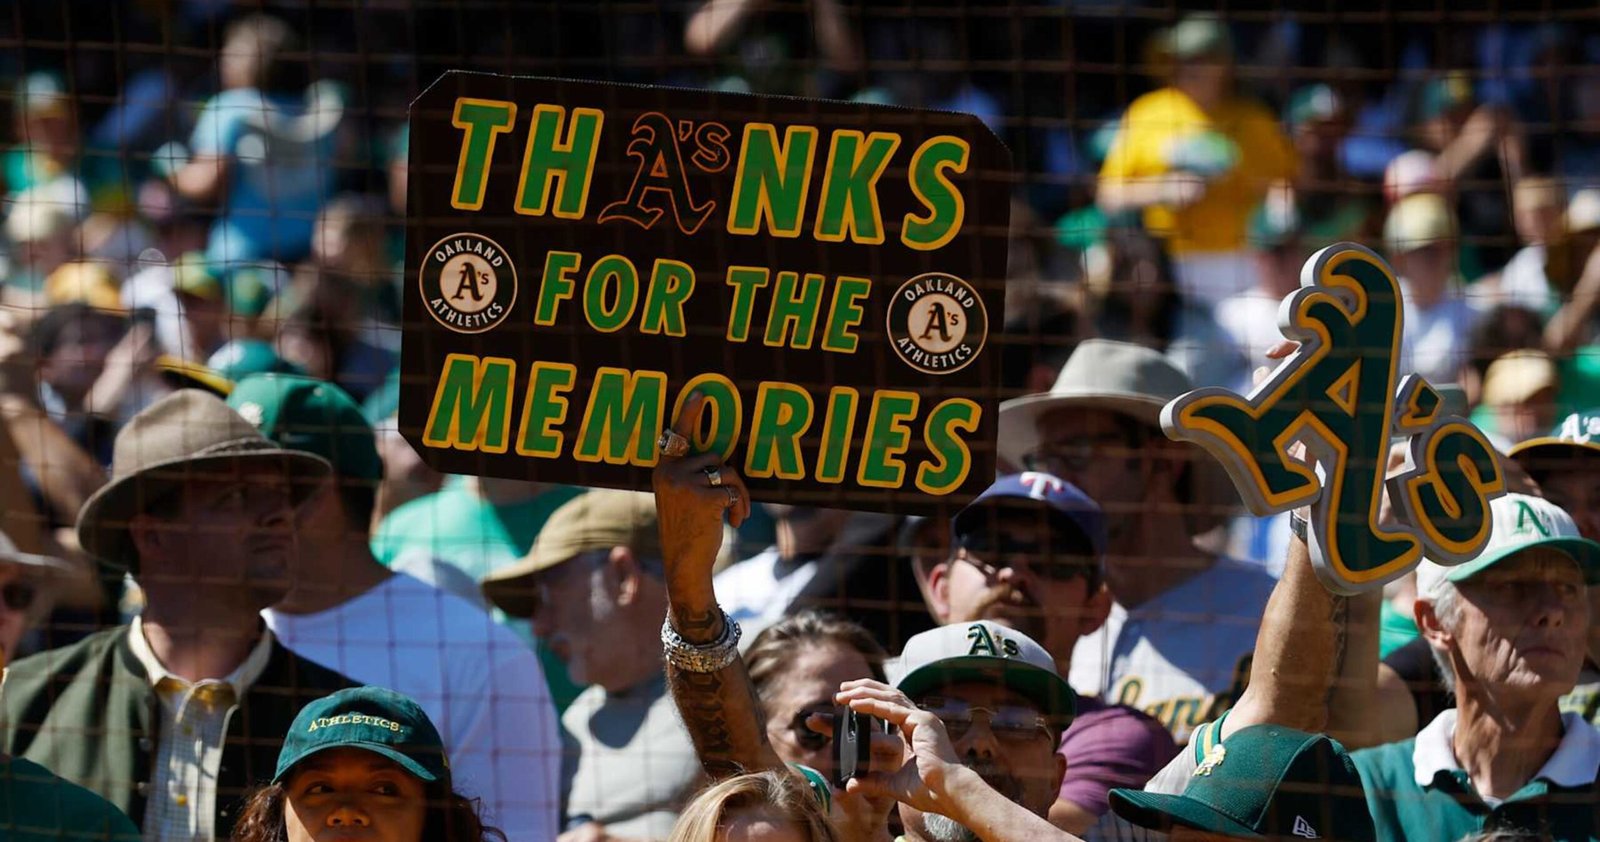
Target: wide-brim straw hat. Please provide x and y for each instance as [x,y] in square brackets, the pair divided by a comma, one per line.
[187,435]
[1130,380]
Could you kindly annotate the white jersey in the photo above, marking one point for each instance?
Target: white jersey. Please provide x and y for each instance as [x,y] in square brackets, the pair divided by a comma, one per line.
[1183,656]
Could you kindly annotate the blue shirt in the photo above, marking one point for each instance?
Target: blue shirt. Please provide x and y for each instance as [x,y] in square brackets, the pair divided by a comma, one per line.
[281,151]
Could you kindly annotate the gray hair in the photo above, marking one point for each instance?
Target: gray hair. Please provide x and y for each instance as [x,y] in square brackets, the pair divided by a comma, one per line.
[1446,603]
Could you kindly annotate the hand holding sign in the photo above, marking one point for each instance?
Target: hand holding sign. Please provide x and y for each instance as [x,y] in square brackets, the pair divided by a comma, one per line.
[1340,393]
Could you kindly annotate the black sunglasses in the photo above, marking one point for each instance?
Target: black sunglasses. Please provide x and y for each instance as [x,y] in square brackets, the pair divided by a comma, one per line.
[805,737]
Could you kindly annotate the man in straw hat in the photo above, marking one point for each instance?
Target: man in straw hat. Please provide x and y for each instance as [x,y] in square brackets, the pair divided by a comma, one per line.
[166,717]
[1098,429]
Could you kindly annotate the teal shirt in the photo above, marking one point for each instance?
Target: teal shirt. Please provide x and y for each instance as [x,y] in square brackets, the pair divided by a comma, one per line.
[1450,809]
[38,806]
[462,528]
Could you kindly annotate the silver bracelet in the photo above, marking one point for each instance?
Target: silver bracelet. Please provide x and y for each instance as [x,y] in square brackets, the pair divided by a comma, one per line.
[708,657]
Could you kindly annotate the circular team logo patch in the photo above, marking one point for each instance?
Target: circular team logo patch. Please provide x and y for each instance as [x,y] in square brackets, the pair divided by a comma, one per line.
[937,323]
[468,283]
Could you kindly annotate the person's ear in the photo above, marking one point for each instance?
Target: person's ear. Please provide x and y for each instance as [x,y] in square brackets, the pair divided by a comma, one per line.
[1095,610]
[938,592]
[1061,771]
[1430,626]
[622,574]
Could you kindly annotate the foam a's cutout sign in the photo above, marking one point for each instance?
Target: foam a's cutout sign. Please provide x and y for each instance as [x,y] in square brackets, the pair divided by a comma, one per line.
[1341,394]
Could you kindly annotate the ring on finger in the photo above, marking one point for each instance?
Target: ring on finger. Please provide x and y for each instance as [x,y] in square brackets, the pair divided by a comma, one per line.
[713,475]
[733,495]
[671,444]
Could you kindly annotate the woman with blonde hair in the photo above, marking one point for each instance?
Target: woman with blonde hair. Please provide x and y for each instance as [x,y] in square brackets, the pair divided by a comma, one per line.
[771,806]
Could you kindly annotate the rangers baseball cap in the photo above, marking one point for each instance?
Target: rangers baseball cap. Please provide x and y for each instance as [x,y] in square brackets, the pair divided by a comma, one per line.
[1577,433]
[1263,781]
[374,719]
[983,652]
[1518,522]
[1066,506]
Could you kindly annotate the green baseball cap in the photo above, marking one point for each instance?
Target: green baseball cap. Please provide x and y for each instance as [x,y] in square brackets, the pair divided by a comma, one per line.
[1199,36]
[1313,103]
[374,719]
[1577,433]
[310,415]
[1263,781]
[983,652]
[1517,522]
[241,358]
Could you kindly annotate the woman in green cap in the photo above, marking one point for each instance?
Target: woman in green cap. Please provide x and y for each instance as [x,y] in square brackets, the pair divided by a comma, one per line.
[362,763]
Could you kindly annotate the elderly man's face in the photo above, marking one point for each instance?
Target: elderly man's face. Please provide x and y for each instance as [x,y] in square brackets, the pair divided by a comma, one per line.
[1001,735]
[1523,624]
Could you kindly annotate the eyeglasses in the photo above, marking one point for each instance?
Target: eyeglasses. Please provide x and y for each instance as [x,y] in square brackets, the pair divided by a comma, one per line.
[991,553]
[1013,724]
[18,596]
[1081,454]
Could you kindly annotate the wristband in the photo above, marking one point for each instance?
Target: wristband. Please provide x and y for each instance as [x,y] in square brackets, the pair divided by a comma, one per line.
[702,658]
[1299,527]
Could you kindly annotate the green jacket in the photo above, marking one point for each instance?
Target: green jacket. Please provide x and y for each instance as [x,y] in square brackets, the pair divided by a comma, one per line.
[88,713]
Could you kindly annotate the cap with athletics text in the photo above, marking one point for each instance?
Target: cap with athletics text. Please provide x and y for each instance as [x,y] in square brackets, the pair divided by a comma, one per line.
[1577,433]
[374,719]
[1517,522]
[1264,781]
[987,653]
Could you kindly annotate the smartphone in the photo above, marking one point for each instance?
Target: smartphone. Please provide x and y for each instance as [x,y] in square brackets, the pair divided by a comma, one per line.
[852,745]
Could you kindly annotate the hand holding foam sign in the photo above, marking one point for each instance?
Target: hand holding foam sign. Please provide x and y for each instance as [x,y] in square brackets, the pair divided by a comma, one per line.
[1340,392]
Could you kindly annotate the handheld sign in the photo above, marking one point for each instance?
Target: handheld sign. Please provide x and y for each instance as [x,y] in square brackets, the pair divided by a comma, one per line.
[1341,394]
[581,256]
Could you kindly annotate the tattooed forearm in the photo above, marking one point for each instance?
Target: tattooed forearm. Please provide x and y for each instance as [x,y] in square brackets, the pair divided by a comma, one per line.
[724,719]
[697,626]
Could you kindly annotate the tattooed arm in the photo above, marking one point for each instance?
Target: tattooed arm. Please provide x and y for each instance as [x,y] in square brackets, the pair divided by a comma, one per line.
[720,709]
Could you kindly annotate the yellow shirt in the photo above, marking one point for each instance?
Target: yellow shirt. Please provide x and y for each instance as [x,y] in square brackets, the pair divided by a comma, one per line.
[1239,149]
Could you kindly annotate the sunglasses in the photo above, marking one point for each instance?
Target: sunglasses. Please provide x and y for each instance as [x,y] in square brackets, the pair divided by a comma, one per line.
[1010,724]
[18,596]
[992,553]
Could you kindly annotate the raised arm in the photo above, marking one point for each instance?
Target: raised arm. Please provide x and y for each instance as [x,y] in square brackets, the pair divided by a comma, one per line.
[720,708]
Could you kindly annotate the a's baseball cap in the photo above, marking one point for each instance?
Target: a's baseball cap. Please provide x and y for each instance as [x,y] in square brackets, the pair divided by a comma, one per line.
[1263,781]
[194,275]
[373,719]
[311,415]
[594,520]
[1198,36]
[988,653]
[1577,433]
[1067,508]
[1518,522]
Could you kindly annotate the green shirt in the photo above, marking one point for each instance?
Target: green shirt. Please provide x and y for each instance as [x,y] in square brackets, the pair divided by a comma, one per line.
[37,806]
[458,526]
[1449,808]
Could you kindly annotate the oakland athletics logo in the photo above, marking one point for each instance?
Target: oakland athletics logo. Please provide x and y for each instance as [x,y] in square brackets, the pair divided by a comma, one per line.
[937,323]
[468,283]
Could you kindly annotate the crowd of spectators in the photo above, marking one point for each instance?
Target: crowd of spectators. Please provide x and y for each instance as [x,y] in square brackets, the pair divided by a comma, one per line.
[209,519]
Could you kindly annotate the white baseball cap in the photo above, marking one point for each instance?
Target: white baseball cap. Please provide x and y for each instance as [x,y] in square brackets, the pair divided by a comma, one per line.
[984,652]
[1520,522]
